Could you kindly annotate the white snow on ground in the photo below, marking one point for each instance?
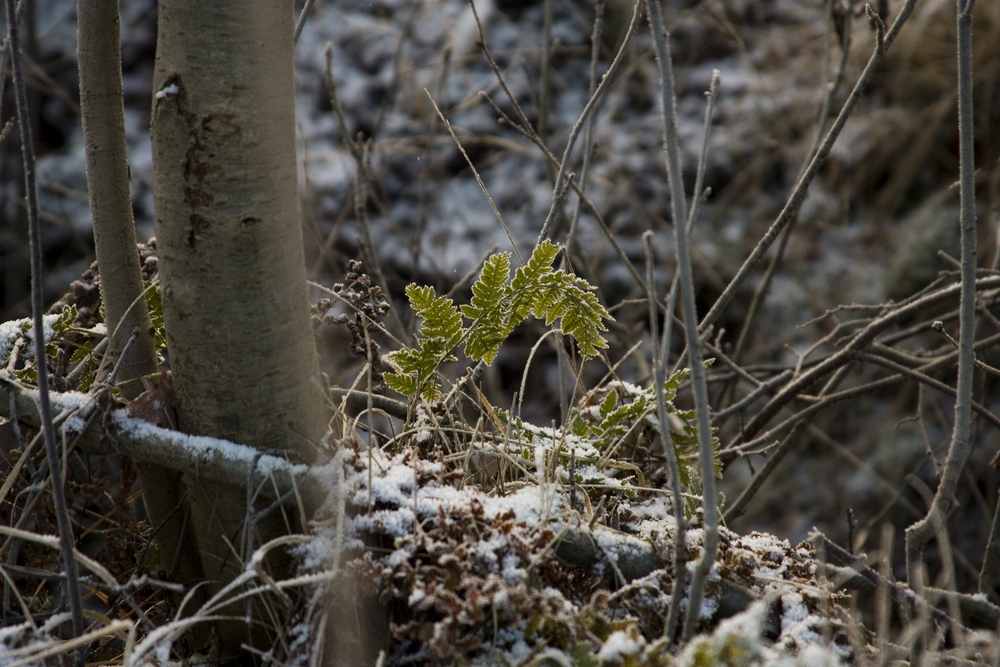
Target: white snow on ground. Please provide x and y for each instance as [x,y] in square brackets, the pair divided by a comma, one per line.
[457,228]
[406,488]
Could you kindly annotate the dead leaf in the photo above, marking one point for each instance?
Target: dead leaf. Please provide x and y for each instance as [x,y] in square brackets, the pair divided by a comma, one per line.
[156,403]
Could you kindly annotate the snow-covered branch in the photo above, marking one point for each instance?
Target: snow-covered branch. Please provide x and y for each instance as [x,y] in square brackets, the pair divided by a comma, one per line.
[81,420]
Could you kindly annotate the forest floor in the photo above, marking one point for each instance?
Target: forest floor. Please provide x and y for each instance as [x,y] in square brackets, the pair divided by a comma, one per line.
[878,224]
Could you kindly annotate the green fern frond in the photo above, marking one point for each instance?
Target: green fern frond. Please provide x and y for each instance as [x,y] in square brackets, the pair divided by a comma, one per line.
[596,426]
[674,382]
[623,408]
[583,316]
[417,368]
[440,333]
[613,419]
[441,319]
[533,283]
[60,327]
[496,307]
[154,304]
[541,291]
[490,320]
[618,421]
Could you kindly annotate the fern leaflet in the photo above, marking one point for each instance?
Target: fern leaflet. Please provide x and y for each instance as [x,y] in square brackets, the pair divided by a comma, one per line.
[490,323]
[440,333]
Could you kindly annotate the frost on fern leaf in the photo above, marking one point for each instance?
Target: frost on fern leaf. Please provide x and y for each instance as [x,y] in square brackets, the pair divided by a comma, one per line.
[498,305]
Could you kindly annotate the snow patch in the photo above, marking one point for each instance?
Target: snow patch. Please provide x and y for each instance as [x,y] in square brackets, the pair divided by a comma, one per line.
[619,646]
[24,328]
[201,447]
[167,91]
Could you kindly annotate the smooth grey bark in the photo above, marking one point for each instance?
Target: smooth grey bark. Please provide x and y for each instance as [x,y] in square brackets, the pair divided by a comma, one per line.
[103,115]
[102,112]
[232,274]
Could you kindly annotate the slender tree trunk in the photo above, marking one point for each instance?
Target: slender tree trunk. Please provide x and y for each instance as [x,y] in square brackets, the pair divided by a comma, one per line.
[101,104]
[232,274]
[102,110]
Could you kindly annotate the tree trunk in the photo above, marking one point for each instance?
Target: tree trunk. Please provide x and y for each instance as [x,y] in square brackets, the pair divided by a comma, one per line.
[102,112]
[232,274]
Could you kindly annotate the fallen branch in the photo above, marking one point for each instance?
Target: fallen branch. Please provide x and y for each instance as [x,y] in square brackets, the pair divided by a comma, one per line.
[78,416]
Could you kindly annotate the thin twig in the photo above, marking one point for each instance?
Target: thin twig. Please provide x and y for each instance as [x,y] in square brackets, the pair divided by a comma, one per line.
[771,464]
[113,377]
[338,110]
[938,326]
[578,126]
[730,453]
[389,97]
[798,195]
[37,310]
[927,380]
[668,117]
[591,207]
[363,159]
[525,128]
[475,173]
[361,151]
[777,455]
[765,387]
[659,379]
[546,76]
[900,593]
[858,342]
[588,132]
[989,575]
[301,22]
[711,95]
[920,533]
